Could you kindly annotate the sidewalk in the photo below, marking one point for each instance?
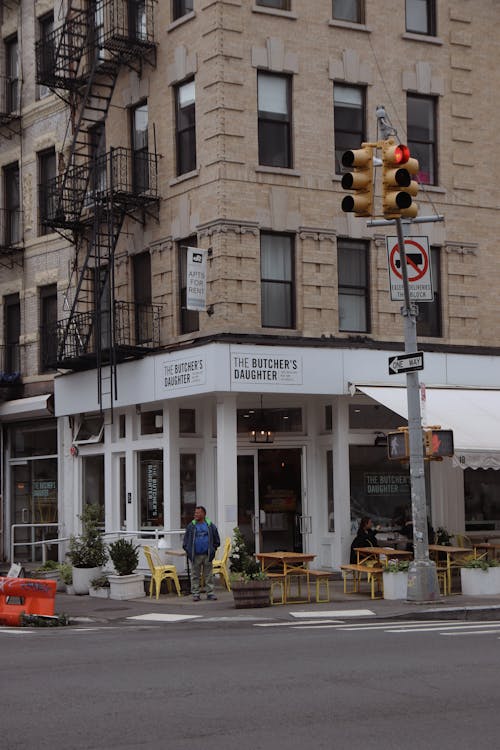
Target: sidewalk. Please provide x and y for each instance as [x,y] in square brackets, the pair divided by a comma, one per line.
[85,609]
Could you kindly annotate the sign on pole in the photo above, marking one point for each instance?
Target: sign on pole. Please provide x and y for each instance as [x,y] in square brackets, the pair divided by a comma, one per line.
[418,267]
[196,281]
[406,363]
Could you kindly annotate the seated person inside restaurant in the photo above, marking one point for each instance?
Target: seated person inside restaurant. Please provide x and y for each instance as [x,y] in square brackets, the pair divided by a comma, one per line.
[364,538]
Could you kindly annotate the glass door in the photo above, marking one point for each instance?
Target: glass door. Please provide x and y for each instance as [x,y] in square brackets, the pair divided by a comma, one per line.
[270,514]
[34,501]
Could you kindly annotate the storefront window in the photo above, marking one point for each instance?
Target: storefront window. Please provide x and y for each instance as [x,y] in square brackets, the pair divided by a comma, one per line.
[123,491]
[329,490]
[34,501]
[482,499]
[187,421]
[277,420]
[93,481]
[187,487]
[151,422]
[34,439]
[151,488]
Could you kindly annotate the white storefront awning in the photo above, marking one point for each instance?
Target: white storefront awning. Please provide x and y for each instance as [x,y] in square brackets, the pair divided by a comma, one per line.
[27,408]
[472,414]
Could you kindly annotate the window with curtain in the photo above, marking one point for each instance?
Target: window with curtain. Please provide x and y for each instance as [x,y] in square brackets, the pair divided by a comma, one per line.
[185,127]
[275,122]
[140,152]
[421,17]
[277,280]
[429,320]
[353,289]
[189,319]
[348,120]
[421,127]
[348,10]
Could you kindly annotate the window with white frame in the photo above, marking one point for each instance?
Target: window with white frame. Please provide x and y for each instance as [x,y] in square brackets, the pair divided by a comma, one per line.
[348,120]
[353,289]
[277,280]
[275,120]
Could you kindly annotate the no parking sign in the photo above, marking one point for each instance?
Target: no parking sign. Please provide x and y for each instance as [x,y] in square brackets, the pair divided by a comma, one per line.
[418,267]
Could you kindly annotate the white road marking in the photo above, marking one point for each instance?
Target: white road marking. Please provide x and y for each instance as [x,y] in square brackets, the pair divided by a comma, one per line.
[334,613]
[315,623]
[159,617]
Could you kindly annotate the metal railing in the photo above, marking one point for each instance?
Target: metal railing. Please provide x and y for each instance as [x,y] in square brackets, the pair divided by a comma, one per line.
[9,98]
[11,228]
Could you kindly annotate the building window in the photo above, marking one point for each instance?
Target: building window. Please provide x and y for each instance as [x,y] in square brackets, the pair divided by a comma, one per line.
[348,10]
[353,286]
[12,332]
[48,51]
[152,422]
[421,127]
[275,121]
[187,487]
[137,20]
[97,153]
[277,4]
[141,264]
[348,120]
[46,194]
[140,153]
[151,488]
[12,205]
[421,17]
[329,491]
[90,430]
[12,72]
[48,321]
[187,421]
[189,319]
[429,320]
[277,281]
[181,8]
[185,127]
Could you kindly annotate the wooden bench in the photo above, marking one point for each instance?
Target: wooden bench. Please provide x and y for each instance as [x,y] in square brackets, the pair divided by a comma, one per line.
[373,575]
[321,577]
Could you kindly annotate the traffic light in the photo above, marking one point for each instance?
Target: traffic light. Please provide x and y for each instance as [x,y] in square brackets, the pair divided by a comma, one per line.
[398,448]
[398,187]
[438,443]
[360,181]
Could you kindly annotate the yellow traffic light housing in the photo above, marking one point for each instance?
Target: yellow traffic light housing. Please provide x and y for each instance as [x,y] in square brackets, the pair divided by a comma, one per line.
[438,443]
[360,181]
[398,187]
[398,446]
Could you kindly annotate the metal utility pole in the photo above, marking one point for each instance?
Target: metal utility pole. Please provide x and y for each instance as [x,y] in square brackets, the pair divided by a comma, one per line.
[423,584]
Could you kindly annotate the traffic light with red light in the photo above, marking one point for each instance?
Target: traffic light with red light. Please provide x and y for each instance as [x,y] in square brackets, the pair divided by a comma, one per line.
[360,181]
[398,447]
[438,443]
[398,187]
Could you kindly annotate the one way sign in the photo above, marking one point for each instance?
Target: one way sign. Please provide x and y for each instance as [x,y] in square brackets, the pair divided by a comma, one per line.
[406,363]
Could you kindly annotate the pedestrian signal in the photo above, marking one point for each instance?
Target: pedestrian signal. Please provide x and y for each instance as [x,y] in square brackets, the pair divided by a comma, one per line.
[398,448]
[438,444]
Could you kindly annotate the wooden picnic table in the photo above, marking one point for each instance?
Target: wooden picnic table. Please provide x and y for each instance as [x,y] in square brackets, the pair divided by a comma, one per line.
[451,553]
[286,564]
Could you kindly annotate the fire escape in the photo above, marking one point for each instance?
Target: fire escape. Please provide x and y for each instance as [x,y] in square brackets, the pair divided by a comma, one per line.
[96,190]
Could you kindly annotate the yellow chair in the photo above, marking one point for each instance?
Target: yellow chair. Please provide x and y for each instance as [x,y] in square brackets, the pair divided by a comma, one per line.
[220,567]
[160,572]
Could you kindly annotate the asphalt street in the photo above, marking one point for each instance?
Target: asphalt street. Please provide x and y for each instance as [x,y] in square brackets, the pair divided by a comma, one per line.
[251,683]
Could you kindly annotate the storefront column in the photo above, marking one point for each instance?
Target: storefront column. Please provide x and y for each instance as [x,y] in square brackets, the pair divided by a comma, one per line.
[227,485]
[171,489]
[341,487]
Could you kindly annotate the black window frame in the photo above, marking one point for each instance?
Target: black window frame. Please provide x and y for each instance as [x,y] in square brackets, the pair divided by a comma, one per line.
[185,131]
[290,312]
[417,143]
[12,204]
[430,314]
[346,247]
[189,320]
[12,332]
[143,296]
[47,296]
[47,173]
[270,124]
[347,138]
[358,8]
[430,14]
[48,50]
[12,69]
[181,8]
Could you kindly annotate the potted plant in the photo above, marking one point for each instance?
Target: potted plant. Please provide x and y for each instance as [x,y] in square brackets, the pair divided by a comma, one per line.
[87,551]
[480,577]
[50,570]
[125,558]
[99,587]
[250,586]
[395,577]
[66,573]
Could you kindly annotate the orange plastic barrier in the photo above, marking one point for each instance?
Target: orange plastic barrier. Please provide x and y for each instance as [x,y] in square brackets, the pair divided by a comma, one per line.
[38,598]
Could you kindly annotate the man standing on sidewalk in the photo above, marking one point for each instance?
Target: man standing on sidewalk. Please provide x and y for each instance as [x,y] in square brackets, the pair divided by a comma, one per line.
[201,540]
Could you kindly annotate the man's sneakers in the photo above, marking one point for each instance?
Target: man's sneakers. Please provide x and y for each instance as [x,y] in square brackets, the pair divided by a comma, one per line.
[196,598]
[212,597]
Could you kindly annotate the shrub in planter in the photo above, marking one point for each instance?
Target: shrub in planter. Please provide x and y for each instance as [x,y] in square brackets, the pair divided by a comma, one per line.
[66,573]
[87,551]
[125,558]
[395,577]
[99,587]
[249,585]
[480,577]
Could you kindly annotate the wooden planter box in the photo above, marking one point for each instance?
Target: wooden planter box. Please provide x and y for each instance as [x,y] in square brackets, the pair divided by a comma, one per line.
[249,594]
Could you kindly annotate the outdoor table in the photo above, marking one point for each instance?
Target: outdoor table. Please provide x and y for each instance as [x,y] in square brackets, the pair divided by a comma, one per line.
[364,553]
[286,564]
[487,547]
[450,553]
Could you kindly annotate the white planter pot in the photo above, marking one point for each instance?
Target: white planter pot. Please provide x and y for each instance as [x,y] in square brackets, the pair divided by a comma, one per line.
[395,585]
[99,593]
[127,587]
[82,578]
[479,582]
